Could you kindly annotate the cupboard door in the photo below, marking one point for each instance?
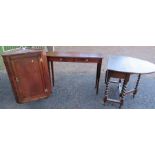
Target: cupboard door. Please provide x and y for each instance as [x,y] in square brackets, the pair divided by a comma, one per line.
[29,78]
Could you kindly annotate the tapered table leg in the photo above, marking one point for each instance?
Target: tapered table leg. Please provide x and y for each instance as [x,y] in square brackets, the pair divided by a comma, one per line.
[52,68]
[137,83]
[49,70]
[98,75]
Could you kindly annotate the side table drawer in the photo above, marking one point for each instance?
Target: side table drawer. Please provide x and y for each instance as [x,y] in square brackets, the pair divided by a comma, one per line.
[88,60]
[64,59]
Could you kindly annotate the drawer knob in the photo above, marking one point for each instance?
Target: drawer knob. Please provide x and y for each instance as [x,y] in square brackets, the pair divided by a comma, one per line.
[32,61]
[60,59]
[87,60]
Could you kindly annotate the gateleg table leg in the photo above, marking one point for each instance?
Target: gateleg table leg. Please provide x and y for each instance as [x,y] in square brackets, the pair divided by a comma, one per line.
[123,92]
[122,89]
[106,89]
[136,87]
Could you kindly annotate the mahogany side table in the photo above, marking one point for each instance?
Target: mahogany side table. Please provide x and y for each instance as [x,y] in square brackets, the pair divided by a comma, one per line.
[78,57]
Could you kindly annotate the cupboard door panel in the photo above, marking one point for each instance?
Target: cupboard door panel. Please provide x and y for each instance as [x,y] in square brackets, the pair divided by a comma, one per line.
[28,77]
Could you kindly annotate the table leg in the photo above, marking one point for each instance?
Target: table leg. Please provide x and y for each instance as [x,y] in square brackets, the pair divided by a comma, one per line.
[137,83]
[123,92]
[98,76]
[52,68]
[120,86]
[106,75]
[49,70]
[107,87]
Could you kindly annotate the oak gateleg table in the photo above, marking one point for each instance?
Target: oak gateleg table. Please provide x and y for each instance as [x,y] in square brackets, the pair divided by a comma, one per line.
[122,67]
[78,57]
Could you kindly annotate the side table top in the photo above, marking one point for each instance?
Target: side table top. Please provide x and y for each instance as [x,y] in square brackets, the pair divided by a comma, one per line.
[74,54]
[130,65]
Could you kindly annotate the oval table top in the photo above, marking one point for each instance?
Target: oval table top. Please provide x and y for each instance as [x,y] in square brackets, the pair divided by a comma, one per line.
[130,65]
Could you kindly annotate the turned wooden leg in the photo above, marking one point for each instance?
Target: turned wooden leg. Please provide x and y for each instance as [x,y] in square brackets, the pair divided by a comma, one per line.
[120,86]
[123,92]
[52,68]
[107,88]
[106,75]
[137,83]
